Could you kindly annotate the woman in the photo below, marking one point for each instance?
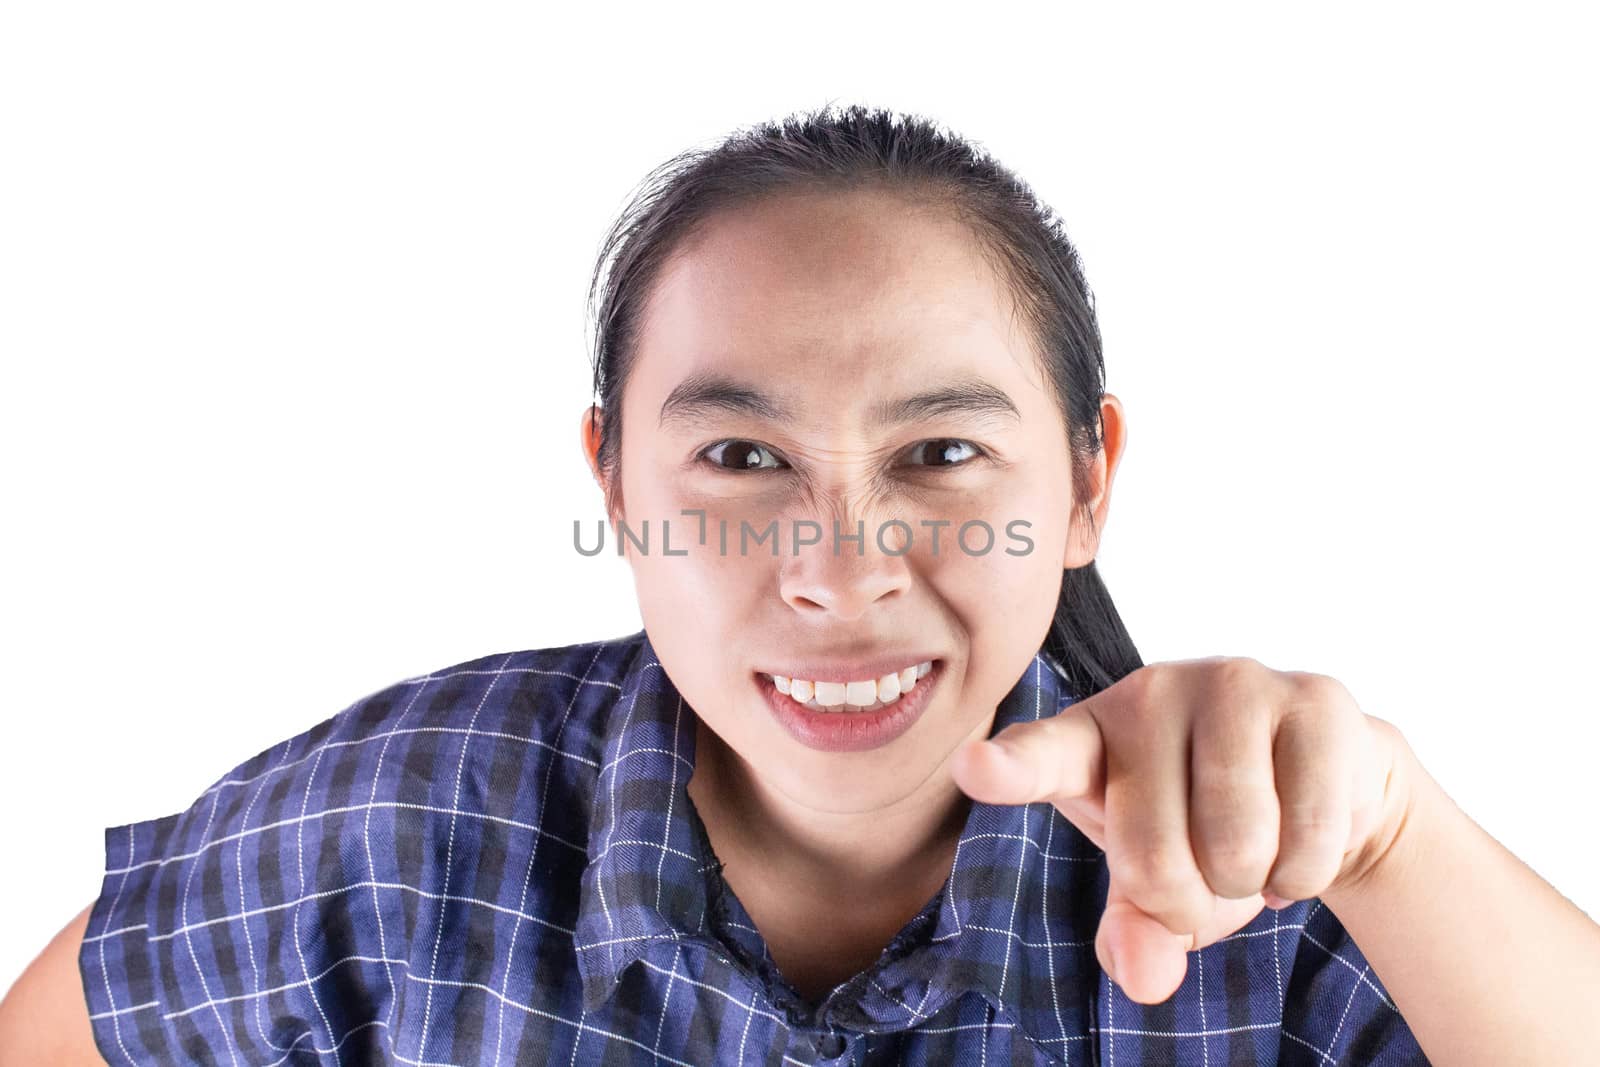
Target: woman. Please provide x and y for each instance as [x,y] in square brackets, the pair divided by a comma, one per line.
[875,783]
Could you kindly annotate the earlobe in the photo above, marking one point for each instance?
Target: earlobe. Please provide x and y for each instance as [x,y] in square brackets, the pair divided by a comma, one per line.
[1078,553]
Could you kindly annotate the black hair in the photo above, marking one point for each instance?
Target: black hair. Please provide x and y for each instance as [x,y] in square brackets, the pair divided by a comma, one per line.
[855,148]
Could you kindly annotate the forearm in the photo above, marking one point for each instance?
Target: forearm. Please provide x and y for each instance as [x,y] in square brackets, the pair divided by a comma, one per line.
[1486,961]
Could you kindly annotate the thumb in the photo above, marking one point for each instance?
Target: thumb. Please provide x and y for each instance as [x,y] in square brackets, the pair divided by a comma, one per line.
[1149,961]
[1145,959]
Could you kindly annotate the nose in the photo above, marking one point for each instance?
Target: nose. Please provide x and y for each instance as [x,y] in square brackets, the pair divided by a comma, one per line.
[817,582]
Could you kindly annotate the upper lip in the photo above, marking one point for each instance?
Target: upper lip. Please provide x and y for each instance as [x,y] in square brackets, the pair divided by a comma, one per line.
[859,669]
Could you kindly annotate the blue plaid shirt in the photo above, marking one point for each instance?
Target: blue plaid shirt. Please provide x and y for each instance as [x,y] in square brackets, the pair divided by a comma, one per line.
[497,862]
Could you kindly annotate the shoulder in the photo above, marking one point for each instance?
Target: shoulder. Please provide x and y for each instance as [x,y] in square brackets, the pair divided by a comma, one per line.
[466,734]
[395,742]
[398,740]
[542,692]
[325,858]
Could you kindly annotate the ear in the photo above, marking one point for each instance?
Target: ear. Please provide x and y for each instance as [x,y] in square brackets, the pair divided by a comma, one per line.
[1083,543]
[589,439]
[589,426]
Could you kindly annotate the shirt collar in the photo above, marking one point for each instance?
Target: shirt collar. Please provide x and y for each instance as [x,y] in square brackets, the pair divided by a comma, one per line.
[1015,921]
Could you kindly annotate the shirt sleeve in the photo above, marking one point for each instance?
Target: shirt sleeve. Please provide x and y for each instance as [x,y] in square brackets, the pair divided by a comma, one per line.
[220,930]
[1335,1009]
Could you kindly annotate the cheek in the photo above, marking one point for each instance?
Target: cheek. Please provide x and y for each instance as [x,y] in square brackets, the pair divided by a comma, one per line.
[1006,597]
[727,568]
[695,619]
[1014,540]
[698,606]
[1004,606]
[1004,603]
[697,593]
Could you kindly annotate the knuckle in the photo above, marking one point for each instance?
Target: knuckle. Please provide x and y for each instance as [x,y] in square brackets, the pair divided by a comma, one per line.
[1140,681]
[1155,872]
[1311,823]
[1239,671]
[1383,728]
[1145,687]
[1165,884]
[1305,877]
[1234,819]
[1235,862]
[1318,690]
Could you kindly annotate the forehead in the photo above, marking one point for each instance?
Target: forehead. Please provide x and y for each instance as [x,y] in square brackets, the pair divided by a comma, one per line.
[824,297]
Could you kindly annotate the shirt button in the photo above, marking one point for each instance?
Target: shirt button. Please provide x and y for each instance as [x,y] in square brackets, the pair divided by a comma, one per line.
[831,1045]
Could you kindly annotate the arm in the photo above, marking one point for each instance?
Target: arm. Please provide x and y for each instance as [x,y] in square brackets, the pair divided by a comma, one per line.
[44,1019]
[1486,961]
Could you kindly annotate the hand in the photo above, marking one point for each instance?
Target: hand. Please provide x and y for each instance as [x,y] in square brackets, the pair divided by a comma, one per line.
[1214,786]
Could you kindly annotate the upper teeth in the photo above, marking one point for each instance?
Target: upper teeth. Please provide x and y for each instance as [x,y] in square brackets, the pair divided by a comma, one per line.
[860,694]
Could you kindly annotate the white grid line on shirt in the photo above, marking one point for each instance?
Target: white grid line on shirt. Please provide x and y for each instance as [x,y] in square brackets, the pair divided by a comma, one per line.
[449,852]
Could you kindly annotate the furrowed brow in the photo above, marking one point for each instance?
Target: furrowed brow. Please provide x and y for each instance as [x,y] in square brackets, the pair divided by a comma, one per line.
[971,397]
[700,395]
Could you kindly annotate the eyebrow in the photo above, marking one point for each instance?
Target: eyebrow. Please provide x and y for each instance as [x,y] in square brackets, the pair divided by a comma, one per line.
[699,396]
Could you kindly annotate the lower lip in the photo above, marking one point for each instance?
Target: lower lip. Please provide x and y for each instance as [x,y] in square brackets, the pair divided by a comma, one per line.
[850,731]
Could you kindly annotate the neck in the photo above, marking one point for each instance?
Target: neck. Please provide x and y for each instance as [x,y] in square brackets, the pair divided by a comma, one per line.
[902,849]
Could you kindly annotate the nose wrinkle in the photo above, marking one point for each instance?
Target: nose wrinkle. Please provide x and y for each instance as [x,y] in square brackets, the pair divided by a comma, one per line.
[868,505]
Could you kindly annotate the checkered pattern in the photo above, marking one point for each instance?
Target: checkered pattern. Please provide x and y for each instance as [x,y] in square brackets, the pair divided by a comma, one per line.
[497,863]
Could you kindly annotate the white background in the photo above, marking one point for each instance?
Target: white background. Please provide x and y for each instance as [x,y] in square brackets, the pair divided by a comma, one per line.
[292,321]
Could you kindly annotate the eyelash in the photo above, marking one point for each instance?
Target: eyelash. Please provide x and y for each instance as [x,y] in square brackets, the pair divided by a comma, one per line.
[978,454]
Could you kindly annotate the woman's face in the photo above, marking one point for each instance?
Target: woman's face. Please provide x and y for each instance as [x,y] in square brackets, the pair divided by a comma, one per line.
[818,314]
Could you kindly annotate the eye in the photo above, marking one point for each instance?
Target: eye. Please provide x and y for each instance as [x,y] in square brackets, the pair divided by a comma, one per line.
[736,455]
[943,452]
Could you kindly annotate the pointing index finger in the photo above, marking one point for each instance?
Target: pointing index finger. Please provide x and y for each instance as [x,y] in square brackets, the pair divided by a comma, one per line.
[1052,759]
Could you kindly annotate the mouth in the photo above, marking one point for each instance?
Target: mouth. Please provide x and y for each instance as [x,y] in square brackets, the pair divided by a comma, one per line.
[849,697]
[835,715]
